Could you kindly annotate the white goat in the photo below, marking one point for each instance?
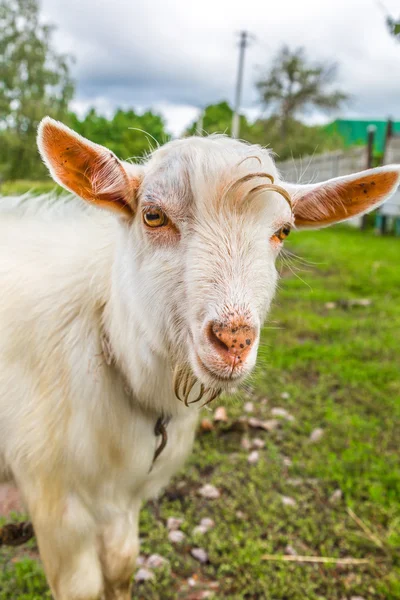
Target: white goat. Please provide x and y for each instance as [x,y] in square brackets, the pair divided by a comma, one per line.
[106,322]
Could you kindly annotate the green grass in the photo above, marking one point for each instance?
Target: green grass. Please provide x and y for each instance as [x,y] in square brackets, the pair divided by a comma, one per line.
[340,368]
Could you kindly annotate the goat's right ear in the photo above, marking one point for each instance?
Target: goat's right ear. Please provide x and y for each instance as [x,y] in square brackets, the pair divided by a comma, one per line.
[87,169]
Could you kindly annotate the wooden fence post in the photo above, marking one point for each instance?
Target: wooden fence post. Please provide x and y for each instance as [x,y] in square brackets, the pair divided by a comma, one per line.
[371,130]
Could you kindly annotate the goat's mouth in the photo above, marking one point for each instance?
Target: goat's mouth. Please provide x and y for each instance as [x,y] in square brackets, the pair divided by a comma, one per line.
[203,376]
[230,377]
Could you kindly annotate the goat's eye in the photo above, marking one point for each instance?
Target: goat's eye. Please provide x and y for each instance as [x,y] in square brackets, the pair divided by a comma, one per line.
[282,233]
[155,217]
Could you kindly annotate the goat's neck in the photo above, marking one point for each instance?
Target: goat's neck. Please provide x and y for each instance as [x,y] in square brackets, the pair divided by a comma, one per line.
[137,350]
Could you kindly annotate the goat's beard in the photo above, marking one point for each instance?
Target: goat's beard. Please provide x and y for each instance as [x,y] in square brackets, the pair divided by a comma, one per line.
[184,382]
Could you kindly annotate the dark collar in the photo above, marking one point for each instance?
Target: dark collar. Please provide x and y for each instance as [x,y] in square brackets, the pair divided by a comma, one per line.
[161,421]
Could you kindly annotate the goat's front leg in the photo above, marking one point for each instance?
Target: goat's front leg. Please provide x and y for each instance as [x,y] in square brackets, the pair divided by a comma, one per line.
[67,538]
[119,548]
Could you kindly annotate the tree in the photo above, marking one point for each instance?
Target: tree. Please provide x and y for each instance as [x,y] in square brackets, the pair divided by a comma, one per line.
[127,134]
[217,118]
[300,140]
[394,26]
[34,82]
[294,85]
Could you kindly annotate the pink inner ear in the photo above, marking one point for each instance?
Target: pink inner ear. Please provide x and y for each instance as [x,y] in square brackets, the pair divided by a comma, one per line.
[340,200]
[88,170]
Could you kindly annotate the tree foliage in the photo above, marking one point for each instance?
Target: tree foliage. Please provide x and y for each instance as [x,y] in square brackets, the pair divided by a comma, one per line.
[394,27]
[34,81]
[126,133]
[300,140]
[217,118]
[293,86]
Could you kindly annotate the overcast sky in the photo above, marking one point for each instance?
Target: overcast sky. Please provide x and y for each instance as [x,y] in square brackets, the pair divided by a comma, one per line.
[176,56]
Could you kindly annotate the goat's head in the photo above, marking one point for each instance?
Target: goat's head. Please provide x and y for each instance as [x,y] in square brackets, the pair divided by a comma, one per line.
[202,222]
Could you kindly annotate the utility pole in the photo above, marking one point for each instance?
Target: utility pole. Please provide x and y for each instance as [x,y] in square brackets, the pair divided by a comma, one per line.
[199,125]
[244,40]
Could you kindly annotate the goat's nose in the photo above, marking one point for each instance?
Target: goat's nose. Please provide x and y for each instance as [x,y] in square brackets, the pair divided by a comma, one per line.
[232,341]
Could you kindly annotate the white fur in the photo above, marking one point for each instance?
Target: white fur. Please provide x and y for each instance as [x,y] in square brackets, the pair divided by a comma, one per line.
[76,433]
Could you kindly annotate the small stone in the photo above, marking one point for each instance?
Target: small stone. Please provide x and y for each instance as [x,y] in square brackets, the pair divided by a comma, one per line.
[241,515]
[268,425]
[330,305]
[285,395]
[290,550]
[176,536]
[191,582]
[144,575]
[220,415]
[287,461]
[206,425]
[245,443]
[295,481]
[200,530]
[248,407]
[288,501]
[336,496]
[214,585]
[254,423]
[174,523]
[264,402]
[155,561]
[206,522]
[356,598]
[200,555]
[365,302]
[253,457]
[361,302]
[283,413]
[258,443]
[209,491]
[316,435]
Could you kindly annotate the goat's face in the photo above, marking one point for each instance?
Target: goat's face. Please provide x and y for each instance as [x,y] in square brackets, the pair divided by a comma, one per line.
[202,223]
[209,230]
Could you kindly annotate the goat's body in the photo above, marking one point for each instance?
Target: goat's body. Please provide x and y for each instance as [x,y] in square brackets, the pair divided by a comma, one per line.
[182,281]
[73,434]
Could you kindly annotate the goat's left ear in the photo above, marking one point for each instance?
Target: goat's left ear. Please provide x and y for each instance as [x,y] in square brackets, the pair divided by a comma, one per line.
[87,169]
[339,199]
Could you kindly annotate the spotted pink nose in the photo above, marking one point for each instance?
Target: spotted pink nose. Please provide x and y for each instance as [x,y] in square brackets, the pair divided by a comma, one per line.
[232,341]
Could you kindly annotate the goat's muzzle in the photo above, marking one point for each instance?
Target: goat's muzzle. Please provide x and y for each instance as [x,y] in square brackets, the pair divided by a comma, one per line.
[231,341]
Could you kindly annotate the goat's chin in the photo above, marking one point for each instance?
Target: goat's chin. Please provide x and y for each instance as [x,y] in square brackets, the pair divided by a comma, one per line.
[213,378]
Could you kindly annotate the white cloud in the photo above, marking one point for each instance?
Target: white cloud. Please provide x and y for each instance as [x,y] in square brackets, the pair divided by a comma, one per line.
[178,116]
[179,55]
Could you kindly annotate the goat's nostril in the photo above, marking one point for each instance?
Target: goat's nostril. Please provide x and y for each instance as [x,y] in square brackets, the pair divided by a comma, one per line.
[231,341]
[217,336]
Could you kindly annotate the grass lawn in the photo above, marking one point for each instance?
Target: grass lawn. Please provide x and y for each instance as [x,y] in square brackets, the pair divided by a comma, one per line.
[332,368]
